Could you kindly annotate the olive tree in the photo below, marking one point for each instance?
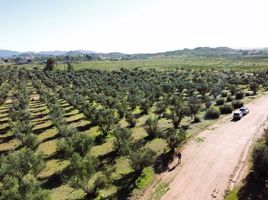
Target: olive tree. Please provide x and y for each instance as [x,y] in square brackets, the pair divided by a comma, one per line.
[194,105]
[139,159]
[17,172]
[178,111]
[106,121]
[254,86]
[82,171]
[174,138]
[123,140]
[151,127]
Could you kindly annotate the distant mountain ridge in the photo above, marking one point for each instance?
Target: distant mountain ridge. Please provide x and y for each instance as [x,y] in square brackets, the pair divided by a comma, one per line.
[9,54]
[202,51]
[199,51]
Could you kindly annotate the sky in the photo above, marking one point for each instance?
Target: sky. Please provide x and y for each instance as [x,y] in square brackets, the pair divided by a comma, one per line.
[132,26]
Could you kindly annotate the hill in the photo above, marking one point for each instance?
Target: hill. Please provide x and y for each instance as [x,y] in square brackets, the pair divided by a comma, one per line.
[199,51]
[8,53]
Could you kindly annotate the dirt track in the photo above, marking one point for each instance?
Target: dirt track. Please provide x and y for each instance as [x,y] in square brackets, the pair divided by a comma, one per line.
[210,165]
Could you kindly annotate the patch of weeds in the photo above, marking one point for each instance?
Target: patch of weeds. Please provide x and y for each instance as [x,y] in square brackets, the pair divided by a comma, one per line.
[146,178]
[199,139]
[232,195]
[160,190]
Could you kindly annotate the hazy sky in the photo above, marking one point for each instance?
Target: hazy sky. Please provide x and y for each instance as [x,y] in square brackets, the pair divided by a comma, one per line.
[132,25]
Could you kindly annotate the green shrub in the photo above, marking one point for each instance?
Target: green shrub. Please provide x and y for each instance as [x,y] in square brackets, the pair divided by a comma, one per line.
[131,120]
[229,98]
[146,178]
[239,95]
[237,104]
[220,101]
[213,113]
[260,158]
[247,94]
[197,119]
[226,109]
[224,93]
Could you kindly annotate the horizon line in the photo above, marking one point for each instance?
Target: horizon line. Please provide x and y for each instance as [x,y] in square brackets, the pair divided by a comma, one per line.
[155,52]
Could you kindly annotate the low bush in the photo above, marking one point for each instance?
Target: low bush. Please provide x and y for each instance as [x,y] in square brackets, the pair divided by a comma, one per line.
[213,113]
[220,101]
[240,95]
[229,98]
[146,178]
[131,120]
[237,104]
[226,109]
[197,119]
[224,93]
[247,94]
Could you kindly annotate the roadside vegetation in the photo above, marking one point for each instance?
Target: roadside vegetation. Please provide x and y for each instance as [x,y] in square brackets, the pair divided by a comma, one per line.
[255,185]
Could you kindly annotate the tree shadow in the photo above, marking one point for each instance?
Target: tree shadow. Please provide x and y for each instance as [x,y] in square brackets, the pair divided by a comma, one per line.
[36,123]
[68,110]
[65,106]
[38,111]
[50,138]
[140,143]
[4,111]
[39,116]
[7,138]
[99,139]
[126,185]
[108,158]
[51,182]
[138,115]
[4,130]
[37,105]
[85,127]
[67,115]
[54,156]
[253,189]
[162,162]
[4,121]
[5,152]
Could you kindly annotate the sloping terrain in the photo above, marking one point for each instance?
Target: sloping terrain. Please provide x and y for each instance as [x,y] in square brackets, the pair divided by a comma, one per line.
[209,166]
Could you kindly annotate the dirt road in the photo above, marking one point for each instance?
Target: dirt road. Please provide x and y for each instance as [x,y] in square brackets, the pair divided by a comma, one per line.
[210,164]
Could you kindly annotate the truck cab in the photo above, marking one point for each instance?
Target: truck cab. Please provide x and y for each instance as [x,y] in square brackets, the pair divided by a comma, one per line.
[237,115]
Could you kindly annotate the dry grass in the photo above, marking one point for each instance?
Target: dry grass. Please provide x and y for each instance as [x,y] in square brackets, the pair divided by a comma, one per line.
[158,145]
[10,145]
[74,117]
[93,132]
[48,148]
[65,192]
[52,167]
[44,125]
[121,168]
[48,133]
[104,148]
[138,133]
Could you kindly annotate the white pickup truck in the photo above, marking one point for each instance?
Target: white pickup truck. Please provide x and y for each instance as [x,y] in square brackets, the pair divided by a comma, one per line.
[237,115]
